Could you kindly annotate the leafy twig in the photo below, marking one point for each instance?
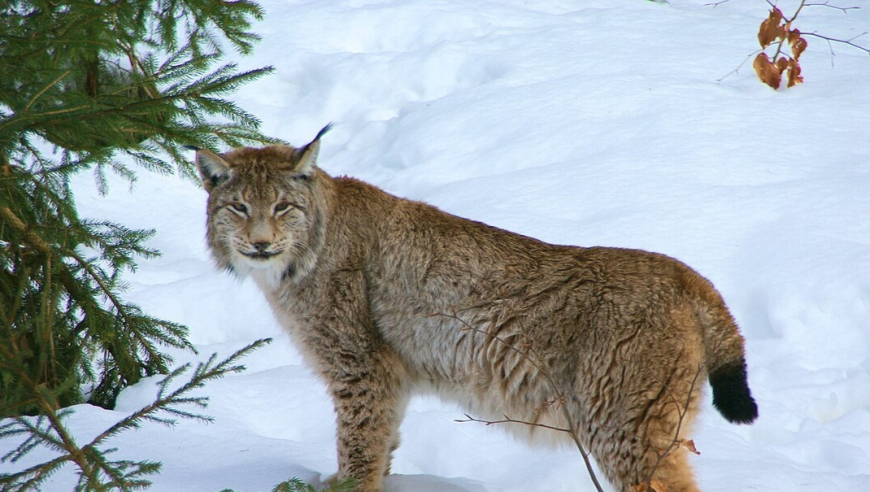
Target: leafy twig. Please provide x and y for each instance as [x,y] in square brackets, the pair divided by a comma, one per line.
[778,29]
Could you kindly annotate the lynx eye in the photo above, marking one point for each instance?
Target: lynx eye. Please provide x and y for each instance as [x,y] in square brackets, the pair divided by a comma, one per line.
[282,207]
[239,208]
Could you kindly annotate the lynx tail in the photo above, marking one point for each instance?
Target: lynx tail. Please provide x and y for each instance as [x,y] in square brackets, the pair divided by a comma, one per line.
[731,395]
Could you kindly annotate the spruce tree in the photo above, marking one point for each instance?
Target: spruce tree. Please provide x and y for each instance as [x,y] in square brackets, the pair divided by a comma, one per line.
[98,86]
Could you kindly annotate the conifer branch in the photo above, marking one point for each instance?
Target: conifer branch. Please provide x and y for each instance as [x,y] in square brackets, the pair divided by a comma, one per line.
[119,307]
[44,89]
[9,216]
[96,472]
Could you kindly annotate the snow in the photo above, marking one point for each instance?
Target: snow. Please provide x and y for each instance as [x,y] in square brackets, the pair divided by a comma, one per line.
[601,122]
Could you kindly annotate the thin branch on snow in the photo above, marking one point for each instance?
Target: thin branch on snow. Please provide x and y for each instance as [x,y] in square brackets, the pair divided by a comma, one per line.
[845,10]
[848,42]
[737,70]
[508,420]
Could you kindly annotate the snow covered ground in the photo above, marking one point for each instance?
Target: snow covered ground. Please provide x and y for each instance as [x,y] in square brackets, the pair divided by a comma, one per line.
[588,122]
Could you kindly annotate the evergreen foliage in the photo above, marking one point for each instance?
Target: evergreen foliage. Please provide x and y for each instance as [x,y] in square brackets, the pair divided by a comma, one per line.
[96,471]
[100,86]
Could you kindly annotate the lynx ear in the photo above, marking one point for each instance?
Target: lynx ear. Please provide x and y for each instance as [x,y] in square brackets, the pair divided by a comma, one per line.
[213,169]
[308,154]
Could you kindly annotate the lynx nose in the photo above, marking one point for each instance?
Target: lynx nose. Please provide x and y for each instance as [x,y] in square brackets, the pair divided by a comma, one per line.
[261,246]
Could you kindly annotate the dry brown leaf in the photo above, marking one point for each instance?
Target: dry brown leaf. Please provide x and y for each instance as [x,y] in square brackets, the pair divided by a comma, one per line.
[771,29]
[798,44]
[690,445]
[767,72]
[781,64]
[794,73]
[776,15]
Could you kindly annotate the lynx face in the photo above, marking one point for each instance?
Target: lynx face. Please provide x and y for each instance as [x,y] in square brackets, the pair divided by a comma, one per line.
[263,217]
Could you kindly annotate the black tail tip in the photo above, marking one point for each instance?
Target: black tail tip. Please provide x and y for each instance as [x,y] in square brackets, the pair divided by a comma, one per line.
[731,395]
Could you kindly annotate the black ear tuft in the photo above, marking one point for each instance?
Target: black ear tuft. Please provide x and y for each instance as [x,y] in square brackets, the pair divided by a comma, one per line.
[323,131]
[308,153]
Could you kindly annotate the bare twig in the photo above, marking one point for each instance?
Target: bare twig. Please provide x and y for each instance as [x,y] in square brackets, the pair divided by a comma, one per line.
[536,363]
[800,7]
[831,46]
[845,10]
[508,420]
[737,70]
[848,42]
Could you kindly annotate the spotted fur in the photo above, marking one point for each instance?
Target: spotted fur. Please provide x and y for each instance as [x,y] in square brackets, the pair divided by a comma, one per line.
[388,297]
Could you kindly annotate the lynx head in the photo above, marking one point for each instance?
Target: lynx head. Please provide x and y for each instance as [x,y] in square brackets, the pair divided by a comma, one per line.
[266,210]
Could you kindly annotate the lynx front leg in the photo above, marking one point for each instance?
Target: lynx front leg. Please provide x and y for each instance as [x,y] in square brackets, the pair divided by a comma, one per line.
[369,404]
[368,380]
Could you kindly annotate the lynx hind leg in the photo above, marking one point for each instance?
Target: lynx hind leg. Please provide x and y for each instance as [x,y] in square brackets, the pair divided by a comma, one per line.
[640,413]
[666,459]
[650,446]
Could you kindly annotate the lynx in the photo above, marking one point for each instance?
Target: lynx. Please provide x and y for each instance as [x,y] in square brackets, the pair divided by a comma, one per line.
[388,297]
